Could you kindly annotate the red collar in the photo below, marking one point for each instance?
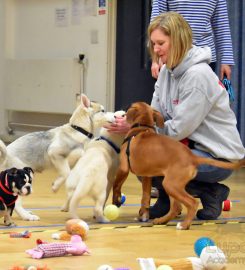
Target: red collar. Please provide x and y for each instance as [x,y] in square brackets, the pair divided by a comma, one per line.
[5,190]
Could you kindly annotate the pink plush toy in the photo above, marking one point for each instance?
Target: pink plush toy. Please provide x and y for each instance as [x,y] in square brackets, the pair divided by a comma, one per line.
[75,247]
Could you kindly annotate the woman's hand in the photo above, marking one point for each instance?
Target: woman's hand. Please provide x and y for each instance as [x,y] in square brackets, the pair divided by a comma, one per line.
[155,68]
[225,70]
[120,126]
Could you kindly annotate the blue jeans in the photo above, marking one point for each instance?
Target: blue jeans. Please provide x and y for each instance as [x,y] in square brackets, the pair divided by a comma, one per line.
[208,173]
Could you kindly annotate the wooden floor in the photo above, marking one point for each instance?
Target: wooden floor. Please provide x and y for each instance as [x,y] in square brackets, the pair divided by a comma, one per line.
[121,242]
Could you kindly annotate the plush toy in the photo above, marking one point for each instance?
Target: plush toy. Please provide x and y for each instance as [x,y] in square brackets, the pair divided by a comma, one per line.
[75,247]
[73,227]
[190,263]
[210,257]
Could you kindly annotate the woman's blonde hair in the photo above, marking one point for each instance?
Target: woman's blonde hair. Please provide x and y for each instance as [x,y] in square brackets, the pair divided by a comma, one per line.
[176,27]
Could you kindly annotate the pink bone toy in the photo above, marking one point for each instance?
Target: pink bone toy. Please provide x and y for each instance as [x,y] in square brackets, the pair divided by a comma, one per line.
[75,247]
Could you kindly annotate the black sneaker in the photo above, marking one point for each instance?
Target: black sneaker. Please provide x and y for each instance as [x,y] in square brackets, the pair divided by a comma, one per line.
[161,206]
[212,201]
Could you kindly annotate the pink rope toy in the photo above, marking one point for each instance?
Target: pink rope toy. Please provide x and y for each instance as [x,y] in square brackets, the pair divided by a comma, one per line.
[75,247]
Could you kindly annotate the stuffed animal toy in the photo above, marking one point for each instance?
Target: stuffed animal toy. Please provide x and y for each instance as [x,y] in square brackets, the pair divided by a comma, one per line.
[191,263]
[211,258]
[73,227]
[75,247]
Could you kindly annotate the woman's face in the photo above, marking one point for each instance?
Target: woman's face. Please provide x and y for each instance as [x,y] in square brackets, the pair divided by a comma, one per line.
[161,44]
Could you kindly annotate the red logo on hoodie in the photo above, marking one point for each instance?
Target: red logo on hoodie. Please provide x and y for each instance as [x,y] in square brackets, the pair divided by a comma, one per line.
[221,84]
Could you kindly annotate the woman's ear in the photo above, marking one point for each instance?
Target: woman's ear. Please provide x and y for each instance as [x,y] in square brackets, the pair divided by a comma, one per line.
[158,118]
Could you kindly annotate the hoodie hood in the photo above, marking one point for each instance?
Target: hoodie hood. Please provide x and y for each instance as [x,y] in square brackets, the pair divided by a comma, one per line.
[194,56]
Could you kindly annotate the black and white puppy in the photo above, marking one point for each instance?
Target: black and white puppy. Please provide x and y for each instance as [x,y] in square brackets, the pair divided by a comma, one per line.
[13,182]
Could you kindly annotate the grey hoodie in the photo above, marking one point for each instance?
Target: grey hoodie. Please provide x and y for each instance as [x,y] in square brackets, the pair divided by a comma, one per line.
[195,105]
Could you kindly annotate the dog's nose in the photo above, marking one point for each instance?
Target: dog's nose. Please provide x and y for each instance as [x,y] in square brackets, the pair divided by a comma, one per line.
[26,190]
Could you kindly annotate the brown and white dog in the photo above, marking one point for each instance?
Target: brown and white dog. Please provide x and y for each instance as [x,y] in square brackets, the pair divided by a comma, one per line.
[148,154]
[13,182]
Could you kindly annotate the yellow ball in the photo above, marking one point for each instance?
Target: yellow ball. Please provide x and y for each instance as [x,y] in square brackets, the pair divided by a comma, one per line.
[105,267]
[32,268]
[111,212]
[164,267]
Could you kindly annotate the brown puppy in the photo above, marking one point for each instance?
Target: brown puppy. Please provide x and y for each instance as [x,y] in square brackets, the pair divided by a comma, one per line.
[148,154]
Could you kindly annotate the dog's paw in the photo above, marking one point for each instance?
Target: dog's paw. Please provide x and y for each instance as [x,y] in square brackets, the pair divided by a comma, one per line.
[102,220]
[30,217]
[54,188]
[159,221]
[144,217]
[181,226]
[64,209]
[9,224]
[143,214]
[57,184]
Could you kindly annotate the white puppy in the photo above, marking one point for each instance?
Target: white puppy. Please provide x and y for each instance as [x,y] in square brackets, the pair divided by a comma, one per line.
[57,148]
[94,173]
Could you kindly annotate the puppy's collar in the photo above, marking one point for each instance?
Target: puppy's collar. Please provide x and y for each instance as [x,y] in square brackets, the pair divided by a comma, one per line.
[141,125]
[83,131]
[5,190]
[117,149]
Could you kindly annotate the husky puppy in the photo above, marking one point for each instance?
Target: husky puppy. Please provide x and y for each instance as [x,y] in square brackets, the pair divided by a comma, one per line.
[94,173]
[57,148]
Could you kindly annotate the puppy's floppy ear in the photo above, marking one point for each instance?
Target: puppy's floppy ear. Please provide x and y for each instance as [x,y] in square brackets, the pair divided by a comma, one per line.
[131,114]
[29,171]
[158,118]
[3,174]
[10,176]
[12,172]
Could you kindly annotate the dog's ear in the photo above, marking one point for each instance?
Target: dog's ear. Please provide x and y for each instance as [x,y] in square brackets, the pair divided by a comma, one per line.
[12,172]
[85,101]
[3,174]
[131,114]
[29,171]
[158,118]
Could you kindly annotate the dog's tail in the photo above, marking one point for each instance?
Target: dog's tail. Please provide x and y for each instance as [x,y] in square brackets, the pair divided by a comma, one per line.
[221,164]
[3,152]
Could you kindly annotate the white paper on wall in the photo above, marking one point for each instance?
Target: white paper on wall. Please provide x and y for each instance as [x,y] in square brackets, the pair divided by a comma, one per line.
[82,8]
[61,17]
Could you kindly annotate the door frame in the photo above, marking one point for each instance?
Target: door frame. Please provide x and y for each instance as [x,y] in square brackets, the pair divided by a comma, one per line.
[111,54]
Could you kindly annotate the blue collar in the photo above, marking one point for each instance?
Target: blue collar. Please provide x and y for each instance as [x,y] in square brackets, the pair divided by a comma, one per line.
[117,149]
